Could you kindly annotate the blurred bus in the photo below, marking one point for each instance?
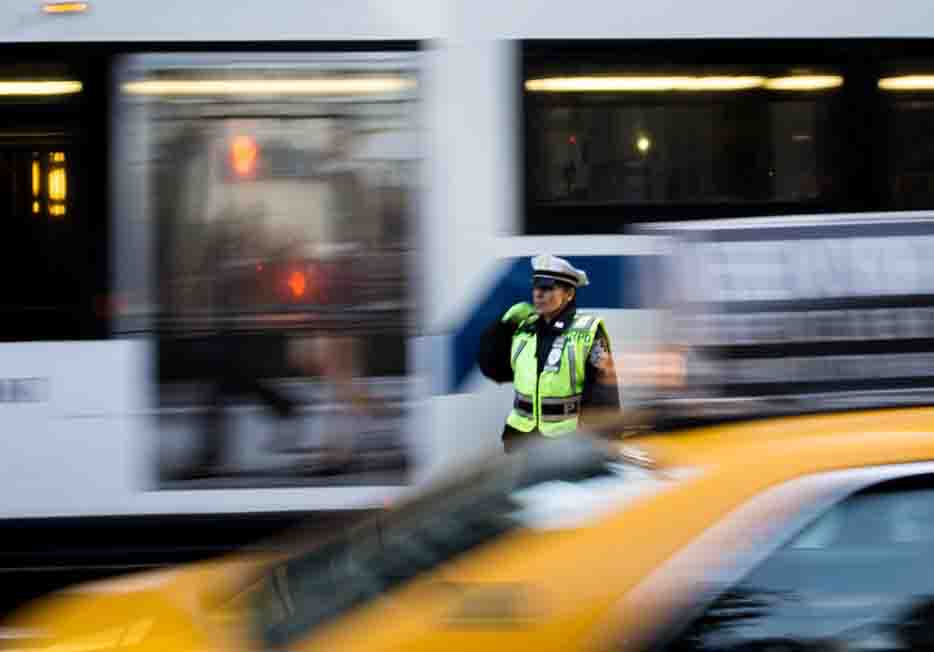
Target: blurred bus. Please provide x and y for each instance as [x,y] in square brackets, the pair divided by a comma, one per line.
[190,185]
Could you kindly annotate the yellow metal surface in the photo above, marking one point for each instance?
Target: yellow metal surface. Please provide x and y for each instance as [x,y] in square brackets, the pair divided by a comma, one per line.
[531,589]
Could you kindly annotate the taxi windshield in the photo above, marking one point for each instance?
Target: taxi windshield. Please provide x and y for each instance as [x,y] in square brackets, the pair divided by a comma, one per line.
[558,485]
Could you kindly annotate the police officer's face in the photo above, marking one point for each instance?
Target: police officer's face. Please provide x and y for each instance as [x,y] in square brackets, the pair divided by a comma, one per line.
[549,301]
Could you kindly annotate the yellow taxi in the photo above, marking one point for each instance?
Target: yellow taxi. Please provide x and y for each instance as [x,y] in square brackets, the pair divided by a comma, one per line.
[809,532]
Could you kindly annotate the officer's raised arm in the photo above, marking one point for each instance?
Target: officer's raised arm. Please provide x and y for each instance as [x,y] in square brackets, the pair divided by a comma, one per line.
[493,356]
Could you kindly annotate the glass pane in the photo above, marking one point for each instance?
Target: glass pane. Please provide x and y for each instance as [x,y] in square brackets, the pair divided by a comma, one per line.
[750,140]
[53,248]
[911,152]
[46,244]
[278,192]
[858,577]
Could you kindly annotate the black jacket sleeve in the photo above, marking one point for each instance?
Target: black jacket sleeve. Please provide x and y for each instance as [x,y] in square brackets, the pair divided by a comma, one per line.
[600,385]
[495,350]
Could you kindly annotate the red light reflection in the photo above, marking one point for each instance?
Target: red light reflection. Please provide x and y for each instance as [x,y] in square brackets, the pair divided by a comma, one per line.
[243,156]
[297,284]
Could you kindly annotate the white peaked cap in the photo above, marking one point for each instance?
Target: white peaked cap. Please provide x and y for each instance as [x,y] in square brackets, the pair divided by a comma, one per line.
[548,266]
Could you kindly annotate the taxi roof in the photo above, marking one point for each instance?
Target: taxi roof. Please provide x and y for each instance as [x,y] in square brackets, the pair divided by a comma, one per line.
[802,443]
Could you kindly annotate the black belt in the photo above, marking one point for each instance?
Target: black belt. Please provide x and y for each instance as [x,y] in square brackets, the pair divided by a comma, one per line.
[551,407]
[523,407]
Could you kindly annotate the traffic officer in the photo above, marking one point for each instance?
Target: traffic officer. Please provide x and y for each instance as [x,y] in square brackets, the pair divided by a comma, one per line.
[558,359]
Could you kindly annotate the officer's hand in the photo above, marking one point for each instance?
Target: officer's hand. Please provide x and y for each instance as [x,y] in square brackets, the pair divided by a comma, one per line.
[519,312]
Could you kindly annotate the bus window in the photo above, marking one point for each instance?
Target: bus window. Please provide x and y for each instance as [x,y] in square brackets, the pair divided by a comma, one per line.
[52,248]
[708,135]
[618,133]
[907,91]
[277,196]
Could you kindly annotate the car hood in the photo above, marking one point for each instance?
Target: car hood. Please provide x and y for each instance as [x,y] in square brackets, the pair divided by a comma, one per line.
[193,608]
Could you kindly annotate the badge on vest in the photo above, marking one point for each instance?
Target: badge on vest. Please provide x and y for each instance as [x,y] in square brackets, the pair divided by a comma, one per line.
[553,363]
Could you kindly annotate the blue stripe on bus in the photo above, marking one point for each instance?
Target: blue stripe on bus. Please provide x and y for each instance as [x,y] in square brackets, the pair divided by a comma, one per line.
[614,284]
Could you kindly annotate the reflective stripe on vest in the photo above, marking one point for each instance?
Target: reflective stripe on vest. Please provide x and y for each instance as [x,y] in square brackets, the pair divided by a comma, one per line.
[551,401]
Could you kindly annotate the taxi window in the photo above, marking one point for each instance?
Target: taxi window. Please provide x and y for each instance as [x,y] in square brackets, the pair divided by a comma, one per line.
[510,494]
[858,577]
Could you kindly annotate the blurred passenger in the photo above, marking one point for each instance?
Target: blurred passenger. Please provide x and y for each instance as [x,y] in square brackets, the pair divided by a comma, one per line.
[558,360]
[337,355]
[238,363]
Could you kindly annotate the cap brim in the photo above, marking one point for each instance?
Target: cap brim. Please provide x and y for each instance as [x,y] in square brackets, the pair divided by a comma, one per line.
[543,282]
